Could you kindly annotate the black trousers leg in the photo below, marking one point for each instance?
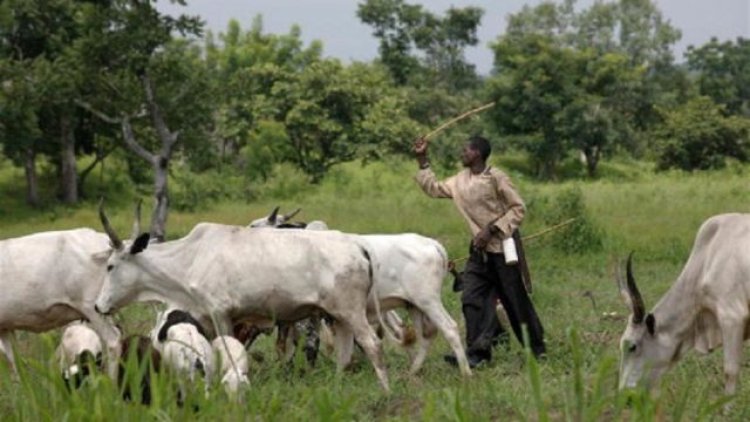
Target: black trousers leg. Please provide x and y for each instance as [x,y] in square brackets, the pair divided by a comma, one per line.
[483,329]
[517,303]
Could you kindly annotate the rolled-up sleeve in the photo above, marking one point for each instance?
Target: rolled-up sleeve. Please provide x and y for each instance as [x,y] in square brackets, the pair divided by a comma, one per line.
[515,211]
[427,180]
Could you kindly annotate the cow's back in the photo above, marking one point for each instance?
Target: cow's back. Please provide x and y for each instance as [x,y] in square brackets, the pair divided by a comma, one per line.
[404,262]
[272,272]
[43,274]
[721,259]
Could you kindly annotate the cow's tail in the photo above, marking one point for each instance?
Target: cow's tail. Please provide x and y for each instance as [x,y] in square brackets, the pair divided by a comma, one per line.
[372,260]
[444,255]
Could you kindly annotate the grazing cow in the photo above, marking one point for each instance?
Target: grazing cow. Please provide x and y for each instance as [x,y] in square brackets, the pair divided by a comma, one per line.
[80,350]
[138,360]
[182,342]
[226,273]
[50,279]
[233,361]
[705,307]
[408,272]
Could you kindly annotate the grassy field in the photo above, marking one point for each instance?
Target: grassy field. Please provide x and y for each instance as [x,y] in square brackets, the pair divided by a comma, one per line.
[629,209]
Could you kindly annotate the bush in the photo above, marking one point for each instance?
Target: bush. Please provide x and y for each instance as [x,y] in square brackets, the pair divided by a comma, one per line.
[580,236]
[196,191]
[697,136]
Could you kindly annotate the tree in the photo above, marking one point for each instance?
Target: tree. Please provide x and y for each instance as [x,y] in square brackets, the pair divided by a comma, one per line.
[35,40]
[137,70]
[245,67]
[332,114]
[403,28]
[580,79]
[724,73]
[698,136]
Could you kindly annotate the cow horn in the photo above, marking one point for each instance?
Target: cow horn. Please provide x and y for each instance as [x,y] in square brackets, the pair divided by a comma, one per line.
[289,216]
[639,309]
[137,222]
[272,216]
[621,287]
[116,242]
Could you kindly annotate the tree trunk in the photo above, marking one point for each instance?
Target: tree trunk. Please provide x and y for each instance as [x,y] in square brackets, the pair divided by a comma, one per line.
[68,171]
[161,193]
[592,160]
[32,186]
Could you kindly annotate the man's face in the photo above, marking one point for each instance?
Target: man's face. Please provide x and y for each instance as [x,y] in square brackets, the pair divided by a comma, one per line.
[469,155]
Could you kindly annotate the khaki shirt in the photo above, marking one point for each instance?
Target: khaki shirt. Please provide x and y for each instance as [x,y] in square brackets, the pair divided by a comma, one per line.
[483,199]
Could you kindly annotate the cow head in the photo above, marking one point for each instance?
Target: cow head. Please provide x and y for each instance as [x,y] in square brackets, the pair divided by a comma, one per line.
[274,219]
[121,284]
[645,352]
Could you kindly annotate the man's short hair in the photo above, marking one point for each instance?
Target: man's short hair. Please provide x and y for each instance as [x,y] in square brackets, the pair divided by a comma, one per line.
[482,145]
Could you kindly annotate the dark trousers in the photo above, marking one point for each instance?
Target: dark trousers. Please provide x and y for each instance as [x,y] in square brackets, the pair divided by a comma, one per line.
[486,278]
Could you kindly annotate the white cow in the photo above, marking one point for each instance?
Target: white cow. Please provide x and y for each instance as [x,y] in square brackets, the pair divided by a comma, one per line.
[230,273]
[50,279]
[79,346]
[183,346]
[408,272]
[706,306]
[233,363]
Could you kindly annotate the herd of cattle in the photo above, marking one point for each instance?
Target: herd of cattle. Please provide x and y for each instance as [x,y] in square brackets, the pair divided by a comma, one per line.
[224,284]
[219,280]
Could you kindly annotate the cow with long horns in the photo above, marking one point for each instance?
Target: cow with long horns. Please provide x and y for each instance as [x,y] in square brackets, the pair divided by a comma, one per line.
[221,273]
[707,306]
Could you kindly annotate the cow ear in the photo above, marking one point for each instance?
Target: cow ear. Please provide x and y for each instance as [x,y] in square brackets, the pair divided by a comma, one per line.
[101,257]
[651,324]
[140,244]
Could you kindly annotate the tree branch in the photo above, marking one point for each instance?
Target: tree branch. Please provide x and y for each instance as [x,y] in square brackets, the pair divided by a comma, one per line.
[168,138]
[132,144]
[127,129]
[97,113]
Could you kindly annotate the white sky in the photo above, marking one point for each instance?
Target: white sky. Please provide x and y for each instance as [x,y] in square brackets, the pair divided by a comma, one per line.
[335,22]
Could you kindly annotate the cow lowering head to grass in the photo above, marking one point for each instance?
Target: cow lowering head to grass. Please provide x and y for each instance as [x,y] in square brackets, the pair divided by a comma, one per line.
[707,306]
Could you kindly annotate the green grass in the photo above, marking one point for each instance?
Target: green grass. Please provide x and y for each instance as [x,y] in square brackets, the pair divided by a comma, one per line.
[655,215]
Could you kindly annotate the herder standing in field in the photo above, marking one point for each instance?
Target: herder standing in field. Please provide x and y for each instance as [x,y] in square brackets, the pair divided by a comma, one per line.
[490,204]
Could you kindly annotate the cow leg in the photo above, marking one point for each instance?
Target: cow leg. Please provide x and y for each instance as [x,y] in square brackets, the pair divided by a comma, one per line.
[422,344]
[312,339]
[6,347]
[284,349]
[449,329]
[110,336]
[343,340]
[733,334]
[370,343]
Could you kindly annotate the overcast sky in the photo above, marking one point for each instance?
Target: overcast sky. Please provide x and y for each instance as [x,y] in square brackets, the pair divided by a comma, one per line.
[335,22]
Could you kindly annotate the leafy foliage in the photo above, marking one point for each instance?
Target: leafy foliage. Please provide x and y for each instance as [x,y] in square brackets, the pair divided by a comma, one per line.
[698,136]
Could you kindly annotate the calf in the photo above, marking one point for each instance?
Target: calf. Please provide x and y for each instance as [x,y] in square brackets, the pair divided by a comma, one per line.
[182,342]
[80,351]
[233,363]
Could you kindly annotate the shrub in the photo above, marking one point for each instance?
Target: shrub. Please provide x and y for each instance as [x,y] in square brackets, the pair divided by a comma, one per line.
[697,136]
[580,236]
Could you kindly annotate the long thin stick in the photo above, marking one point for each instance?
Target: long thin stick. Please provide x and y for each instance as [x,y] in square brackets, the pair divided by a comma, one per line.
[553,228]
[459,118]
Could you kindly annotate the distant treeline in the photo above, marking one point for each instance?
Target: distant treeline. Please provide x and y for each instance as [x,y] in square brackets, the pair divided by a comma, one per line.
[85,82]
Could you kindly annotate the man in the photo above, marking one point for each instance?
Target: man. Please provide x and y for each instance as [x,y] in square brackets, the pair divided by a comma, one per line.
[493,209]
